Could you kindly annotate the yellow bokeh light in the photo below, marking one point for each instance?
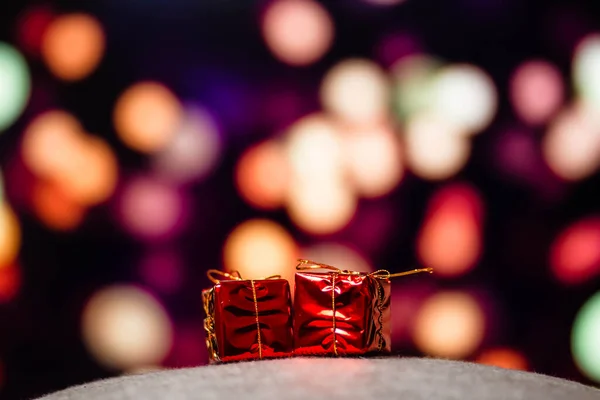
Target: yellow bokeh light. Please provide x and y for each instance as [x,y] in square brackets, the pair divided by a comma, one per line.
[258,248]
[337,255]
[73,46]
[262,175]
[536,91]
[321,207]
[56,209]
[435,149]
[373,160]
[571,147]
[314,149]
[50,143]
[147,116]
[356,91]
[125,328]
[449,324]
[465,96]
[298,32]
[10,236]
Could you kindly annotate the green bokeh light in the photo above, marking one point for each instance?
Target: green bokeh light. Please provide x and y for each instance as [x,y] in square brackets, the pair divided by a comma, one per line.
[585,338]
[15,85]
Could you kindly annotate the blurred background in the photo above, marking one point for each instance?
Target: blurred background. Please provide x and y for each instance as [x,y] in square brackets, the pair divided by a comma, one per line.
[144,142]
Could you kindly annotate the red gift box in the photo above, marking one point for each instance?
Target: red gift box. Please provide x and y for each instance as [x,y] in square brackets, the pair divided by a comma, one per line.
[342,312]
[247,319]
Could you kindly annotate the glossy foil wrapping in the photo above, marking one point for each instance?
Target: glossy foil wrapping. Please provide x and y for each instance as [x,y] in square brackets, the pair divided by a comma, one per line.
[248,320]
[341,314]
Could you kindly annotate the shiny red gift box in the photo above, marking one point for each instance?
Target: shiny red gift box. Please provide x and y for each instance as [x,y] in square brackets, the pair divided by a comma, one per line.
[342,312]
[248,319]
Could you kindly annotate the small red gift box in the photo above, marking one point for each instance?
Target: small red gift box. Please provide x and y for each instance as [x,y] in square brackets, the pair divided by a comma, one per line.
[342,312]
[247,319]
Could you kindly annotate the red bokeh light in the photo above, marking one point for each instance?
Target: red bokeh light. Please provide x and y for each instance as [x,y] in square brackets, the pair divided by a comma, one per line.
[504,358]
[10,282]
[450,239]
[31,28]
[575,253]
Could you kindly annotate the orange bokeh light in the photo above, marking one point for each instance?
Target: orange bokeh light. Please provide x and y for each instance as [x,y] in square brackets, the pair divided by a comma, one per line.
[259,248]
[56,209]
[262,175]
[93,175]
[73,46]
[10,282]
[298,32]
[50,142]
[449,324]
[575,253]
[450,238]
[10,236]
[504,358]
[146,116]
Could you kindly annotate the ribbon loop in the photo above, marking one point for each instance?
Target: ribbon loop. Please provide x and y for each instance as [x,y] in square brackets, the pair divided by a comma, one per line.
[213,273]
[379,274]
[231,276]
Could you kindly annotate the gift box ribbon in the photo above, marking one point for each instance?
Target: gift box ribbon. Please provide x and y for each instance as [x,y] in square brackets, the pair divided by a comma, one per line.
[214,274]
[382,274]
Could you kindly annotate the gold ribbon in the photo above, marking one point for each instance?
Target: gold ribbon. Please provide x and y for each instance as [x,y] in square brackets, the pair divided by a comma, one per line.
[236,276]
[383,274]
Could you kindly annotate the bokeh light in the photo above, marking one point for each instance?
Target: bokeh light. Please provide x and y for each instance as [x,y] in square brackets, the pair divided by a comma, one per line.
[10,236]
[537,91]
[56,209]
[503,357]
[571,147]
[50,143]
[356,91]
[449,324]
[337,254]
[147,116]
[10,283]
[92,176]
[150,209]
[73,46]
[314,149]
[413,78]
[321,208]
[298,32]
[435,149]
[194,150]
[585,345]
[32,26]
[124,327]
[465,96]
[15,85]
[450,238]
[262,175]
[373,160]
[586,70]
[258,248]
[575,253]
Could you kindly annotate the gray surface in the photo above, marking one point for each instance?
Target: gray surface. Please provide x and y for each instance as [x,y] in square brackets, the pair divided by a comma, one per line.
[328,378]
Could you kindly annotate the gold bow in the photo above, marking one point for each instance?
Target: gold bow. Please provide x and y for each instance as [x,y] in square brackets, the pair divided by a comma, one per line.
[233,276]
[379,274]
[382,274]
